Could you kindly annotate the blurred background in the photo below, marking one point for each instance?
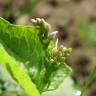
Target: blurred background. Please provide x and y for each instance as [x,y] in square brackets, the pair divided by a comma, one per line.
[76,22]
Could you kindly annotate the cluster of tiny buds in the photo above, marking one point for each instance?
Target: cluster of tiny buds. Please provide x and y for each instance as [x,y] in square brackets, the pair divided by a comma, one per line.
[41,22]
[62,52]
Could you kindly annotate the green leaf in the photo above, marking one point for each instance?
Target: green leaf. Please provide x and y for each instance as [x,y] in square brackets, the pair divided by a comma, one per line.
[29,46]
[19,75]
[68,88]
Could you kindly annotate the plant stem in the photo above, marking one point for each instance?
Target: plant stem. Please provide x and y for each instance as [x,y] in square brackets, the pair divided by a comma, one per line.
[90,78]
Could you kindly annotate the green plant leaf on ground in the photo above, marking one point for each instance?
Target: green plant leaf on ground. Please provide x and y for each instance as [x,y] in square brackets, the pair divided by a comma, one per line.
[21,77]
[29,45]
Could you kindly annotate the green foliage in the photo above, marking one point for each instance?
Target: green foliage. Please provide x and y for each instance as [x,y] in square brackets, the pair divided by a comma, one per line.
[92,33]
[87,83]
[20,76]
[31,47]
[87,32]
[7,84]
[68,88]
[29,7]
